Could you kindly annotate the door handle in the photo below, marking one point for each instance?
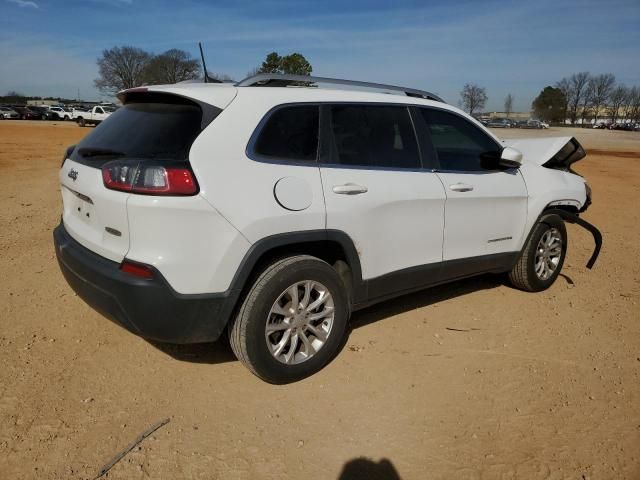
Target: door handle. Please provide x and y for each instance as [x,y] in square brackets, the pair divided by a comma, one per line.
[461,187]
[349,189]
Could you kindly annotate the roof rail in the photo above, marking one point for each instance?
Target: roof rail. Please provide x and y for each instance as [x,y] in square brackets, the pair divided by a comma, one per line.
[282,80]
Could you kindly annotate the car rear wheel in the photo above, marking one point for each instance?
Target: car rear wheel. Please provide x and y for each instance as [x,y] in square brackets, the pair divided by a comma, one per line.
[543,256]
[81,122]
[292,321]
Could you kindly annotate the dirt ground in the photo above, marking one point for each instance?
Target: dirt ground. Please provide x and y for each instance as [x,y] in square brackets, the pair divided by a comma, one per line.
[473,380]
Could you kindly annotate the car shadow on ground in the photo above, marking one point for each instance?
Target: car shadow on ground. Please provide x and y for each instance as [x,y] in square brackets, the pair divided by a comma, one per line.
[366,469]
[212,353]
[424,298]
[220,351]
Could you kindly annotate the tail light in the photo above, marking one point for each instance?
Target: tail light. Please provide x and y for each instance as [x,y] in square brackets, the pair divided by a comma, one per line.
[149,179]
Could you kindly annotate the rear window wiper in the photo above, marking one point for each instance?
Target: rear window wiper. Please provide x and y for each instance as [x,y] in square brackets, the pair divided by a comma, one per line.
[99,152]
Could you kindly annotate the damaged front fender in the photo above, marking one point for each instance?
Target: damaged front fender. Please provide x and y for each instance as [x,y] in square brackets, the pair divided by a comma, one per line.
[574,218]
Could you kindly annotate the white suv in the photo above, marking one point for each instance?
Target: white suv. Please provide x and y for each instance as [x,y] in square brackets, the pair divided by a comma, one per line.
[60,113]
[273,209]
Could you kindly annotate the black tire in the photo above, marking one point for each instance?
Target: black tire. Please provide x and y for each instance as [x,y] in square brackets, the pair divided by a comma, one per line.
[247,330]
[523,275]
[81,122]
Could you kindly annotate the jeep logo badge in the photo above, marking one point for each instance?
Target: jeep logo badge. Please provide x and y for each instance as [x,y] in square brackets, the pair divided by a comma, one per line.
[73,174]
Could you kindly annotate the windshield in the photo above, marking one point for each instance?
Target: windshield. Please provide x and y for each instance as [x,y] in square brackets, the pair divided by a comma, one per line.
[162,131]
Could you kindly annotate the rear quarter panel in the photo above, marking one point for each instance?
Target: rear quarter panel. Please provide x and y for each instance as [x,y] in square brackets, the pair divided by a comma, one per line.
[194,247]
[241,189]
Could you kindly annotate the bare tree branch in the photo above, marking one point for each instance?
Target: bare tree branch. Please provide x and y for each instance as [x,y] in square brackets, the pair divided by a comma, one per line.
[599,90]
[473,97]
[508,104]
[121,67]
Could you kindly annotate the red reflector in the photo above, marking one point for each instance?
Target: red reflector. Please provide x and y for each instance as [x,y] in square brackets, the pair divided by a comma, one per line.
[136,269]
[181,181]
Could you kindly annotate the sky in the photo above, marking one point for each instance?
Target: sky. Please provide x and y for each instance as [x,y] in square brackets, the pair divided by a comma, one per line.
[50,47]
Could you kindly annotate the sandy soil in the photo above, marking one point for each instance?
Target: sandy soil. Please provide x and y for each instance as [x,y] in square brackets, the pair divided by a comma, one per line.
[473,380]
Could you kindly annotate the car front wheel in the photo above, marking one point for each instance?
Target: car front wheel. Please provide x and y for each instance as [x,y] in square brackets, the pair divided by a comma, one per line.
[543,256]
[292,320]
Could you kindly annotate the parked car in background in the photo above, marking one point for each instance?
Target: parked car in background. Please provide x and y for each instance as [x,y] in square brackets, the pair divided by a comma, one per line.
[500,123]
[94,116]
[27,113]
[621,126]
[8,113]
[600,125]
[43,112]
[533,124]
[60,113]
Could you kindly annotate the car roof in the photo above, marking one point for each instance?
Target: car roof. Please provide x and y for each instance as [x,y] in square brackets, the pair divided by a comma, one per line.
[221,94]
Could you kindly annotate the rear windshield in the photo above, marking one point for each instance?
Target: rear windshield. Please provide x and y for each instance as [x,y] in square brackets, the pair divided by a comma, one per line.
[159,131]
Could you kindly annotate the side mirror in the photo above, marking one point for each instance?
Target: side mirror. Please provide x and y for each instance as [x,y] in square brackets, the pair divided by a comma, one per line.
[510,157]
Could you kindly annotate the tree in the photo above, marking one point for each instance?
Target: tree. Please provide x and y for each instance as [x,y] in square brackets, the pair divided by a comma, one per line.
[271,64]
[295,64]
[121,67]
[632,106]
[473,97]
[575,89]
[508,104]
[14,97]
[617,100]
[172,66]
[565,86]
[550,105]
[600,88]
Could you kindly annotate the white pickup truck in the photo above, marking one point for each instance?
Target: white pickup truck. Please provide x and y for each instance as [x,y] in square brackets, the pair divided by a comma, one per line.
[94,116]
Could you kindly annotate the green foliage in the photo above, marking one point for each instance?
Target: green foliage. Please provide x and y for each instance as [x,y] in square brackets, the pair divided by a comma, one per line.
[271,64]
[550,105]
[295,64]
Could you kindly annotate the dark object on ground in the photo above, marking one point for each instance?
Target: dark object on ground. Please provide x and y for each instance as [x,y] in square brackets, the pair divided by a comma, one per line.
[130,447]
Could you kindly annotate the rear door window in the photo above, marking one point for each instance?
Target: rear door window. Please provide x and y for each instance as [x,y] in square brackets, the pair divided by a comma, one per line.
[290,133]
[145,130]
[376,136]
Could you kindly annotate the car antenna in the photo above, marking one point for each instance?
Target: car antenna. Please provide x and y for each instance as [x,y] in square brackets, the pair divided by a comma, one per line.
[207,79]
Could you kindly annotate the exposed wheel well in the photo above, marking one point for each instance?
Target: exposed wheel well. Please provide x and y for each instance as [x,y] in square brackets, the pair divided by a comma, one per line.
[567,208]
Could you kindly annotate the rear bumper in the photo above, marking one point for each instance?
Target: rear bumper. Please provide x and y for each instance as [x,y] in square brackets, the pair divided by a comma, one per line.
[149,308]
